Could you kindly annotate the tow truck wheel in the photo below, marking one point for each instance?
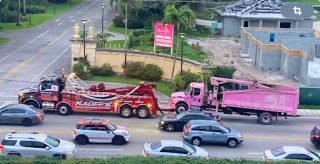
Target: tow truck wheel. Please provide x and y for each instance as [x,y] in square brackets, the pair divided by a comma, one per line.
[266,118]
[143,112]
[32,103]
[181,107]
[64,109]
[126,111]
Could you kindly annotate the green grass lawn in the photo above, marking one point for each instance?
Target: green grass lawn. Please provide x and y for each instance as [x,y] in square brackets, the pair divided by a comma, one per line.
[37,19]
[3,41]
[163,87]
[119,30]
[313,107]
[313,2]
[116,44]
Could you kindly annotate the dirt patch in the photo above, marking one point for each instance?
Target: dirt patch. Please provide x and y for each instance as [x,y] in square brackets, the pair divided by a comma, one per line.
[226,51]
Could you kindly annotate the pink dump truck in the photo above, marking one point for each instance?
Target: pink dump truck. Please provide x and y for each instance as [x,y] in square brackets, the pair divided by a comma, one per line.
[239,96]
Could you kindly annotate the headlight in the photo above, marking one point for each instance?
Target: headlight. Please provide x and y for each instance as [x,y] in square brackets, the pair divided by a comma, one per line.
[240,136]
[162,122]
[21,94]
[68,152]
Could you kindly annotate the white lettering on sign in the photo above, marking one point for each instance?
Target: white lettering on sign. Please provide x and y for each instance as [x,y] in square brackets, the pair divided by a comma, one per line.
[275,100]
[310,95]
[92,104]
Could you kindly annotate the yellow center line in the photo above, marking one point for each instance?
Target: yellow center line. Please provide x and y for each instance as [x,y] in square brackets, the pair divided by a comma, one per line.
[29,59]
[67,132]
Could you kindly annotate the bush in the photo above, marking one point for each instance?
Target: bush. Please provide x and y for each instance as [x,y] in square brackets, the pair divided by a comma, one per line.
[118,21]
[1,27]
[78,68]
[151,72]
[133,22]
[58,1]
[10,17]
[182,82]
[133,69]
[104,70]
[223,71]
[35,10]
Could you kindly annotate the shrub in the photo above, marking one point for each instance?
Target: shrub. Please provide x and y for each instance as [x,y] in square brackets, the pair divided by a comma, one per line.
[133,22]
[10,17]
[151,72]
[104,70]
[78,68]
[118,21]
[146,40]
[223,71]
[133,69]
[35,10]
[58,1]
[1,27]
[133,41]
[182,82]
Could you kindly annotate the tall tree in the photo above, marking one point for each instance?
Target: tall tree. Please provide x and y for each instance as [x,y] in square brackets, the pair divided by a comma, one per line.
[24,7]
[18,14]
[4,9]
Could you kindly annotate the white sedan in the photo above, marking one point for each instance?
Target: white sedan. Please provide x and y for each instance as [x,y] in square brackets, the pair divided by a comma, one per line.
[290,153]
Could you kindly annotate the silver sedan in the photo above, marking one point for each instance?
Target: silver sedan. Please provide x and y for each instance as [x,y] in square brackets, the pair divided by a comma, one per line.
[174,148]
[290,153]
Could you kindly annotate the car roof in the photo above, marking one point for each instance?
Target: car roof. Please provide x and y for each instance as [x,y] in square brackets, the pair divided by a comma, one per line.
[295,149]
[207,122]
[171,143]
[195,112]
[93,121]
[10,106]
[26,135]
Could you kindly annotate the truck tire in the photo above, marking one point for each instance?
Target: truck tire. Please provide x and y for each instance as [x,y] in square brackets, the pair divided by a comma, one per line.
[143,112]
[265,118]
[64,109]
[181,107]
[32,103]
[126,111]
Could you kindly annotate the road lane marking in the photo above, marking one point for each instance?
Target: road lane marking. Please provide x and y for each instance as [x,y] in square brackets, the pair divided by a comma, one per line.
[99,149]
[50,64]
[255,153]
[24,46]
[155,134]
[31,58]
[59,23]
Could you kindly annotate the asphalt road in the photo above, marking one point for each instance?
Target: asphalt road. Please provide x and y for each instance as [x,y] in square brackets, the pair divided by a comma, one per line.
[36,52]
[257,138]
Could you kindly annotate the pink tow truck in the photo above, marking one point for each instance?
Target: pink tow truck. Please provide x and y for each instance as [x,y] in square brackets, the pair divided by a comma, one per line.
[245,98]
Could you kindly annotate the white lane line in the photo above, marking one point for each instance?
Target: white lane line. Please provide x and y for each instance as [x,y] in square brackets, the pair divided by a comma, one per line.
[59,23]
[70,16]
[255,153]
[24,46]
[50,64]
[7,96]
[98,149]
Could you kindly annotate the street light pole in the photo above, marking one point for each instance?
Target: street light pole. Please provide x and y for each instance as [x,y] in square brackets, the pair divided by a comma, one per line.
[116,8]
[54,6]
[29,13]
[102,5]
[84,21]
[182,35]
[126,45]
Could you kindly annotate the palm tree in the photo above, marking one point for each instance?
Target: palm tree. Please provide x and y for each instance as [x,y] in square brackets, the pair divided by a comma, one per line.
[205,78]
[18,14]
[102,38]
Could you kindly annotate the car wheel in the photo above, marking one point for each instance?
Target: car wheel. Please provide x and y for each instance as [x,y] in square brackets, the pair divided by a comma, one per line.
[64,109]
[126,111]
[82,140]
[118,140]
[170,127]
[181,107]
[266,118]
[232,143]
[196,141]
[26,122]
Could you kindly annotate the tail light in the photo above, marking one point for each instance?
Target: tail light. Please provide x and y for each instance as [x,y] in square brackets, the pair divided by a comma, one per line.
[145,153]
[187,128]
[317,137]
[39,115]
[1,148]
[75,132]
[266,158]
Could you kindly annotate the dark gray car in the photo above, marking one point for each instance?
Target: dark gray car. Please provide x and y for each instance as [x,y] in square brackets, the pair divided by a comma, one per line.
[20,114]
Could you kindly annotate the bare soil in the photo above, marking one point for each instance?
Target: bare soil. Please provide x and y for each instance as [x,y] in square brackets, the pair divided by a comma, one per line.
[225,50]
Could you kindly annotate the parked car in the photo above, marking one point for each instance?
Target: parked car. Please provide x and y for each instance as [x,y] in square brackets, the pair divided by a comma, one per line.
[173,122]
[205,131]
[33,144]
[290,153]
[315,136]
[98,130]
[173,148]
[21,114]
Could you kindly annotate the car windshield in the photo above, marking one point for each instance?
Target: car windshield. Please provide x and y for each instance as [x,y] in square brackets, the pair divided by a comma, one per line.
[189,147]
[313,153]
[111,127]
[179,116]
[52,141]
[187,90]
[227,128]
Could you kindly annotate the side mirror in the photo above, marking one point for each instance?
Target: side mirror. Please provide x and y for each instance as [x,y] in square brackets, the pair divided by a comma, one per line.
[47,148]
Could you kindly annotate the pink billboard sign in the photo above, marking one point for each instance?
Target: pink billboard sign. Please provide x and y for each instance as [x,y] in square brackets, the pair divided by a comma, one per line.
[163,34]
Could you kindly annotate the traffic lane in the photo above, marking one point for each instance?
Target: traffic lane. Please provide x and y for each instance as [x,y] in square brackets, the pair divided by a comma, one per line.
[250,149]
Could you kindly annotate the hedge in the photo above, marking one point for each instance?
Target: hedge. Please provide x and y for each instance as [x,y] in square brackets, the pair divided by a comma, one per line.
[134,160]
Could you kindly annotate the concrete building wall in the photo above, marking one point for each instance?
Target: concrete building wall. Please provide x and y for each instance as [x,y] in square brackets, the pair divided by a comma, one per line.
[254,23]
[231,26]
[270,60]
[305,24]
[270,23]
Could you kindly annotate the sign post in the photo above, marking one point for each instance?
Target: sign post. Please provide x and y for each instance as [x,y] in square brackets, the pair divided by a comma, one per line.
[163,35]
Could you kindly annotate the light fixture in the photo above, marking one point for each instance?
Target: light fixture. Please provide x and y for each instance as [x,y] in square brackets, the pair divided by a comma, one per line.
[182,35]
[84,21]
[103,5]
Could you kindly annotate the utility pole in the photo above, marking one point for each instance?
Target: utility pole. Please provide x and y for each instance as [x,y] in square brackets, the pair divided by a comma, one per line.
[126,45]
